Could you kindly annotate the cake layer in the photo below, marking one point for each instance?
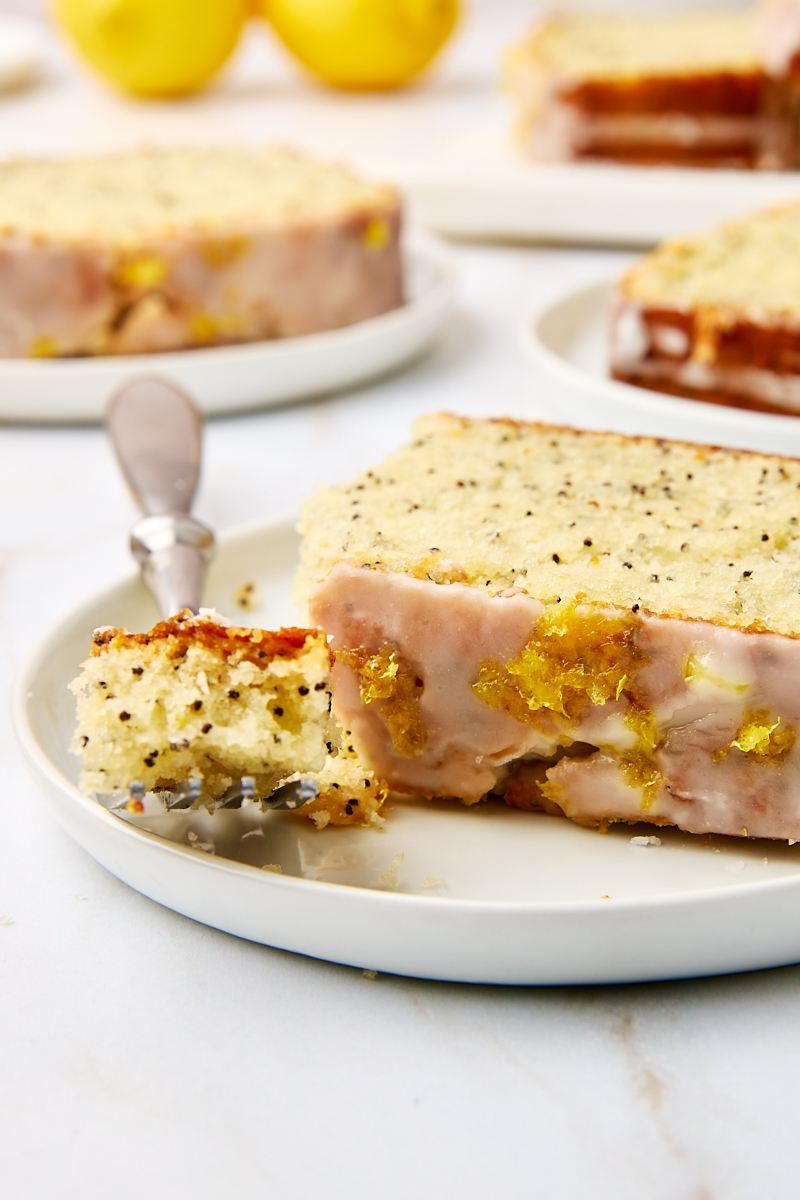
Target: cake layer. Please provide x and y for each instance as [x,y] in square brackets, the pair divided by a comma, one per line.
[717,316]
[603,626]
[177,249]
[564,134]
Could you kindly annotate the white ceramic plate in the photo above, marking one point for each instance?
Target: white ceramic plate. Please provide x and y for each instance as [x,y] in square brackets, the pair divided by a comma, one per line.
[481,187]
[524,899]
[568,341]
[234,378]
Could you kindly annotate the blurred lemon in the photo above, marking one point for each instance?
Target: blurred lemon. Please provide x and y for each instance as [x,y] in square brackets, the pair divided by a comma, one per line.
[154,47]
[363,43]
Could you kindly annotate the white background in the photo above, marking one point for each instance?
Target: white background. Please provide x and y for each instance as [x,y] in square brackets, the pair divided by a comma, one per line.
[144,1055]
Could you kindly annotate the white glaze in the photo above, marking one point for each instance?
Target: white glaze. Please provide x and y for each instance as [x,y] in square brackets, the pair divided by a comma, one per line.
[263,283]
[776,33]
[444,632]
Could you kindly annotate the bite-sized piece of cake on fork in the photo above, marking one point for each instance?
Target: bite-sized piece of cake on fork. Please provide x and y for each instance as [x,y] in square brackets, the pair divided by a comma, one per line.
[197,698]
[601,625]
[717,316]
[687,88]
[180,249]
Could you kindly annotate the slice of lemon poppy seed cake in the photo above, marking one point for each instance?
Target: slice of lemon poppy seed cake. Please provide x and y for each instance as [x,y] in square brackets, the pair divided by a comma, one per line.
[584,622]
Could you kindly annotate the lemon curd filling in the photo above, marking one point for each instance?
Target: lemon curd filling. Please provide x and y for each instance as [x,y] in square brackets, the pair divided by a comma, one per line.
[573,657]
[762,737]
[696,670]
[141,272]
[383,681]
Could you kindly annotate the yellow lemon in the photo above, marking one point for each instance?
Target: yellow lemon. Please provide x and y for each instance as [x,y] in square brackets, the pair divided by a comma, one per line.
[154,47]
[363,43]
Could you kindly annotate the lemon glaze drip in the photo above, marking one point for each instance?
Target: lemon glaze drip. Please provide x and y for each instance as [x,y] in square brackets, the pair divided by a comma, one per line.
[696,670]
[636,768]
[382,681]
[761,739]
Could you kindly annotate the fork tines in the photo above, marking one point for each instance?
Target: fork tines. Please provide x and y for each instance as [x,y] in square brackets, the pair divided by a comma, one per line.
[190,795]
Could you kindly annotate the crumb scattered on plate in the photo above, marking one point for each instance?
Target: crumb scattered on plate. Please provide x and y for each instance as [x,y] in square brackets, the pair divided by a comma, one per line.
[246,596]
[196,844]
[388,879]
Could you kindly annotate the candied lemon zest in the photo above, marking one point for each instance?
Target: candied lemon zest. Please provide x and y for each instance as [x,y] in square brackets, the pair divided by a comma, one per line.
[376,233]
[760,738]
[639,771]
[382,681]
[223,252]
[141,272]
[572,658]
[203,327]
[43,347]
[644,725]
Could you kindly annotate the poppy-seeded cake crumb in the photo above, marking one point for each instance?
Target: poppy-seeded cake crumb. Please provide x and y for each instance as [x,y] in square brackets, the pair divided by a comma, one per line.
[745,265]
[649,525]
[199,698]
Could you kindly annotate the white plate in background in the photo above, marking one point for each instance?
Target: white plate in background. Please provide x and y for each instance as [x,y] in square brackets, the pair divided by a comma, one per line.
[223,379]
[525,899]
[482,187]
[568,341]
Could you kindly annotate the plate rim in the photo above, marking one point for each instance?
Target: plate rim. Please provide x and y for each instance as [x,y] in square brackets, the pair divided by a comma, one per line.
[634,399]
[520,198]
[45,770]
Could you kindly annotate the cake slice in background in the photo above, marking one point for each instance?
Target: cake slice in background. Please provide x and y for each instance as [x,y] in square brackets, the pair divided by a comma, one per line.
[584,622]
[199,699]
[178,249]
[689,89]
[716,317]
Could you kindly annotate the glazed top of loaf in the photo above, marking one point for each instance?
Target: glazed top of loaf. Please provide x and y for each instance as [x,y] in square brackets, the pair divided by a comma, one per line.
[672,528]
[749,264]
[604,46]
[125,198]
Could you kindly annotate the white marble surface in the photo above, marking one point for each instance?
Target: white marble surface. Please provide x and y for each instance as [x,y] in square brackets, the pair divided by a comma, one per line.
[144,1055]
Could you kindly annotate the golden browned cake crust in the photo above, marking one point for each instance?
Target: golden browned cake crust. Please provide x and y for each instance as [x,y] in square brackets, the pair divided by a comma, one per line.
[178,633]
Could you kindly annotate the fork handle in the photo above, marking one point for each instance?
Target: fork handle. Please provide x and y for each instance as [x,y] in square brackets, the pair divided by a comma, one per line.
[173,552]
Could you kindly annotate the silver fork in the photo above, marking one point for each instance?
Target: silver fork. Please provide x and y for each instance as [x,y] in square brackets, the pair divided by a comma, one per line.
[157,434]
